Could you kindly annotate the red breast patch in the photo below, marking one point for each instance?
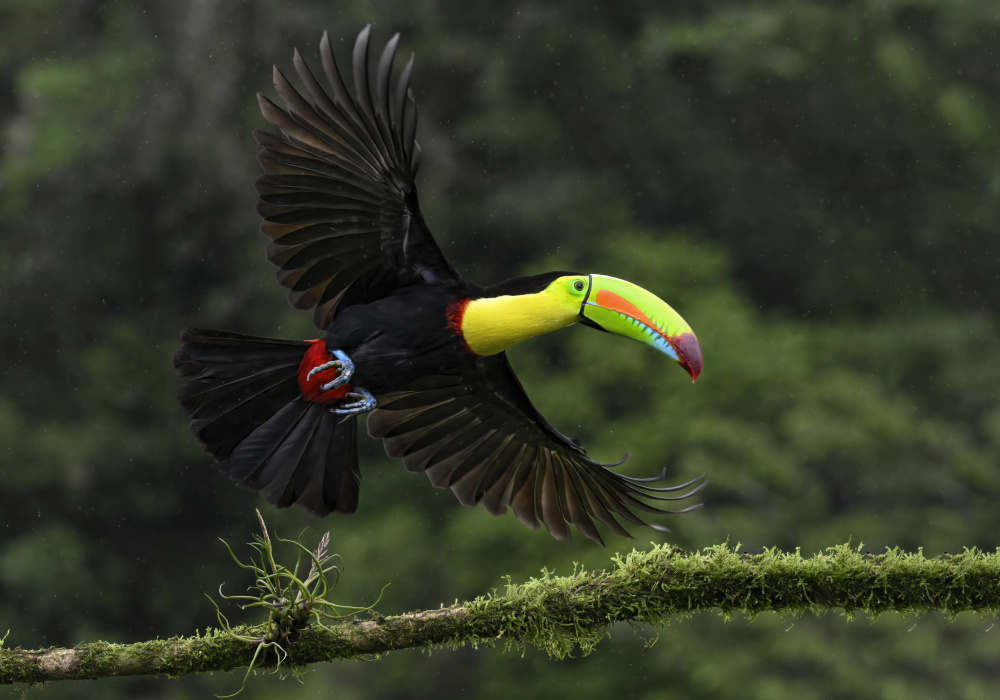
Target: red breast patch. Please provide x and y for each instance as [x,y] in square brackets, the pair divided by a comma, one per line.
[455,313]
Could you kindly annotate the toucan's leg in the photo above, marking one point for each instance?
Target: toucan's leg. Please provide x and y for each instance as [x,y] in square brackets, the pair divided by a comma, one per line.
[362,403]
[343,365]
[324,378]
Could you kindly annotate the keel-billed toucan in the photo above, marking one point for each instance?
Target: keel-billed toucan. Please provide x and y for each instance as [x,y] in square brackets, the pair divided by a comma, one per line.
[408,339]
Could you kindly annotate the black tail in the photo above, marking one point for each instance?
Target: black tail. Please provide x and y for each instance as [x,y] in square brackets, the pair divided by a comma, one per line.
[247,409]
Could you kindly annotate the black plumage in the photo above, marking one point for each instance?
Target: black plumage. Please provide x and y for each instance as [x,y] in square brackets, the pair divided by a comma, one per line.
[338,201]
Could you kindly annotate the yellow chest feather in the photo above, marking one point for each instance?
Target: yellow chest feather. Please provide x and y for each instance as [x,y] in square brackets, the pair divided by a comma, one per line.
[492,325]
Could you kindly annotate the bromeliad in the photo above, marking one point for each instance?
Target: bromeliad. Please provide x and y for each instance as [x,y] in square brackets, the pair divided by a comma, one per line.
[408,339]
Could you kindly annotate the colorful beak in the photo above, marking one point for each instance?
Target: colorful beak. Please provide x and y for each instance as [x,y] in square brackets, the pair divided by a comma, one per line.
[620,307]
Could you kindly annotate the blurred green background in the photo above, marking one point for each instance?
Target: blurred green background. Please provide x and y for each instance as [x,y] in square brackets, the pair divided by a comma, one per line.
[815,186]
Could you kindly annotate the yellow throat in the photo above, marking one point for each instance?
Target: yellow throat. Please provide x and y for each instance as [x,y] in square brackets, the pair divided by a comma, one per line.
[492,325]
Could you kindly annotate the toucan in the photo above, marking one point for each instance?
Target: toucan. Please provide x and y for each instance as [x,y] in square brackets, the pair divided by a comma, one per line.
[407,339]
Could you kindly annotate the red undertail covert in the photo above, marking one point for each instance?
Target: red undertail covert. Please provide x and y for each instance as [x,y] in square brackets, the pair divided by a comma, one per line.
[315,356]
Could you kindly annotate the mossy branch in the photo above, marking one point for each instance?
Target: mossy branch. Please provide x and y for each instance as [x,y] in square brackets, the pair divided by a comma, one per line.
[563,613]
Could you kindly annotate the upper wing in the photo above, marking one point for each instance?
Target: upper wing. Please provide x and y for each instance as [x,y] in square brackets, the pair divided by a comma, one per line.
[490,446]
[337,198]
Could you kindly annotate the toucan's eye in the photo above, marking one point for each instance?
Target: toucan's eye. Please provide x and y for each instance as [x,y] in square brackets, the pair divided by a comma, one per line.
[578,285]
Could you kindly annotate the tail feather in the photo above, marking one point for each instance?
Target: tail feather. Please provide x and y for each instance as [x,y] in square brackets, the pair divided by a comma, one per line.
[233,383]
[303,433]
[256,460]
[340,487]
[246,407]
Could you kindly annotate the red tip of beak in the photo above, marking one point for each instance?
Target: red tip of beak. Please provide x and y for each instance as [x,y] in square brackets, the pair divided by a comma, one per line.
[688,353]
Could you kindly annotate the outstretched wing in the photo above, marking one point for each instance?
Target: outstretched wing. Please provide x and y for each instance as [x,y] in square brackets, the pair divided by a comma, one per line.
[337,198]
[490,446]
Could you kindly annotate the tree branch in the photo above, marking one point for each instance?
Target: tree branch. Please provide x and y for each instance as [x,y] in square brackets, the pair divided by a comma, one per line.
[560,613]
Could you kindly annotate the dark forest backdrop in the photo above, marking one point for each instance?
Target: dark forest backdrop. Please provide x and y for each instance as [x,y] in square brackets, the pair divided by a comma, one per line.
[814,186]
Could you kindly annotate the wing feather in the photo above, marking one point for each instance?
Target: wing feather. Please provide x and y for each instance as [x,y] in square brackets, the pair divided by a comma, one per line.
[484,442]
[338,185]
[548,497]
[481,471]
[522,487]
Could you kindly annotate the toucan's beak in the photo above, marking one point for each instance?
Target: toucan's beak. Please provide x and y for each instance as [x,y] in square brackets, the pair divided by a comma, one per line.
[623,308]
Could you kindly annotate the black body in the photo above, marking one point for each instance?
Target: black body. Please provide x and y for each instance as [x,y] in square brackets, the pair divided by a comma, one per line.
[401,338]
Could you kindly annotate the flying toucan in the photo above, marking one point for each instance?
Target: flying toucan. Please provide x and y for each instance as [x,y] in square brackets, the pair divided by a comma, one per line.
[408,340]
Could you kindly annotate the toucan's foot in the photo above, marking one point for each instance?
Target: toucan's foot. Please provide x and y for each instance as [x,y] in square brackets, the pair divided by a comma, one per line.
[358,401]
[343,365]
[324,377]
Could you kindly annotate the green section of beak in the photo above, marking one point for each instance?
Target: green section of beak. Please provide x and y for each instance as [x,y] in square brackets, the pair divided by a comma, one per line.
[626,309]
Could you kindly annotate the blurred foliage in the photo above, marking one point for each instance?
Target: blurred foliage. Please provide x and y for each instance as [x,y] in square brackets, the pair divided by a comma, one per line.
[813,185]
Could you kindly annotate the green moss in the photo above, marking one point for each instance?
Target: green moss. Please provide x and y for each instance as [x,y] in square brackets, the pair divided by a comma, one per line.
[558,614]
[563,614]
